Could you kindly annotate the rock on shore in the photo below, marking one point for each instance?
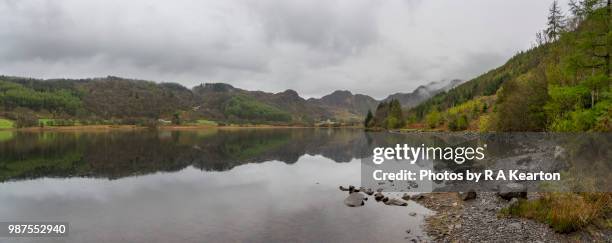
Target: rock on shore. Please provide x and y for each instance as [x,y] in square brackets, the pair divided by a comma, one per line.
[512,190]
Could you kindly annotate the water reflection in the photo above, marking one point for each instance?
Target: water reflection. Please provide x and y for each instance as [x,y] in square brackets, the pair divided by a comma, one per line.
[197,186]
[28,155]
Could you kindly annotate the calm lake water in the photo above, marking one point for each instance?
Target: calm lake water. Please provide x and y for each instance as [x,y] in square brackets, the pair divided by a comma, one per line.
[216,185]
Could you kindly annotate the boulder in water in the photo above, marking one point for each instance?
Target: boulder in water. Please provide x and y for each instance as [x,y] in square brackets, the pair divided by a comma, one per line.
[355,199]
[394,202]
[350,189]
[379,196]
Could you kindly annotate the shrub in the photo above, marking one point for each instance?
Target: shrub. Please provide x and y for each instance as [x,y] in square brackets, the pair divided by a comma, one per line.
[484,124]
[564,212]
[457,122]
[433,119]
[25,118]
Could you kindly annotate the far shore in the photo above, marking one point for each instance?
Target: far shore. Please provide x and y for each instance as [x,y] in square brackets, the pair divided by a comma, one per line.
[233,126]
[169,127]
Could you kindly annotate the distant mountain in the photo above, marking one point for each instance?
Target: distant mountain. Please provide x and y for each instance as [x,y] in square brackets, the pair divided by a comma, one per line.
[220,101]
[134,101]
[115,97]
[424,92]
[213,100]
[345,105]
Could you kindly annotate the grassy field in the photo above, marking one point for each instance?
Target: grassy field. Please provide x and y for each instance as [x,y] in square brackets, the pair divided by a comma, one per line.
[6,135]
[5,124]
[59,122]
[204,123]
[45,121]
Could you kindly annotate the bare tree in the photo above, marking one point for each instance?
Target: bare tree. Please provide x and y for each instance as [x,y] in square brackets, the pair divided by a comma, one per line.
[541,38]
[577,14]
[576,8]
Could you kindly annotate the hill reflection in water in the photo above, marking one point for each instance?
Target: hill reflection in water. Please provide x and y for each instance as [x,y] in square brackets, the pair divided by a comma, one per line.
[118,154]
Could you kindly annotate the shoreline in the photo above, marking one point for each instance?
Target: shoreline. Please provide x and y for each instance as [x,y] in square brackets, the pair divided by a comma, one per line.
[478,219]
[173,127]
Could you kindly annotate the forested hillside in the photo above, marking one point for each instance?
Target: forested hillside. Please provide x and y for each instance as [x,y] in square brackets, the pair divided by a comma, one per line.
[114,100]
[345,105]
[561,84]
[219,101]
[118,98]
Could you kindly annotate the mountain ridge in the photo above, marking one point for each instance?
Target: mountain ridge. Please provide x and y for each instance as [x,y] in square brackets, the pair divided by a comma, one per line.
[122,98]
[423,92]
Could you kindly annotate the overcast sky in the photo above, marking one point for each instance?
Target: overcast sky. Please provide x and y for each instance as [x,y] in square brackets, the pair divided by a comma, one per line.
[311,46]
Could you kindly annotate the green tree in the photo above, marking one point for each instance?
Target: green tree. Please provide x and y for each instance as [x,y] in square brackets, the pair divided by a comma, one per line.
[574,102]
[520,104]
[433,119]
[176,118]
[388,115]
[368,119]
[395,117]
[380,115]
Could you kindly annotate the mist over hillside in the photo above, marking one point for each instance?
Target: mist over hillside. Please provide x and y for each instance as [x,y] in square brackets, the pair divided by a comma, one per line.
[424,92]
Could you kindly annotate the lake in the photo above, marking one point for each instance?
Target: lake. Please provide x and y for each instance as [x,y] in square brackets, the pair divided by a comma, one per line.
[213,185]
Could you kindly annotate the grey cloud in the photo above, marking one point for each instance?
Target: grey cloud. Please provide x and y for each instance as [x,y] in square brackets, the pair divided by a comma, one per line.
[314,47]
[344,27]
[52,32]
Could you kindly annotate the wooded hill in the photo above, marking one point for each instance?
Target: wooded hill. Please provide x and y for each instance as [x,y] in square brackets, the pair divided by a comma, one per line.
[115,100]
[561,84]
[128,101]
